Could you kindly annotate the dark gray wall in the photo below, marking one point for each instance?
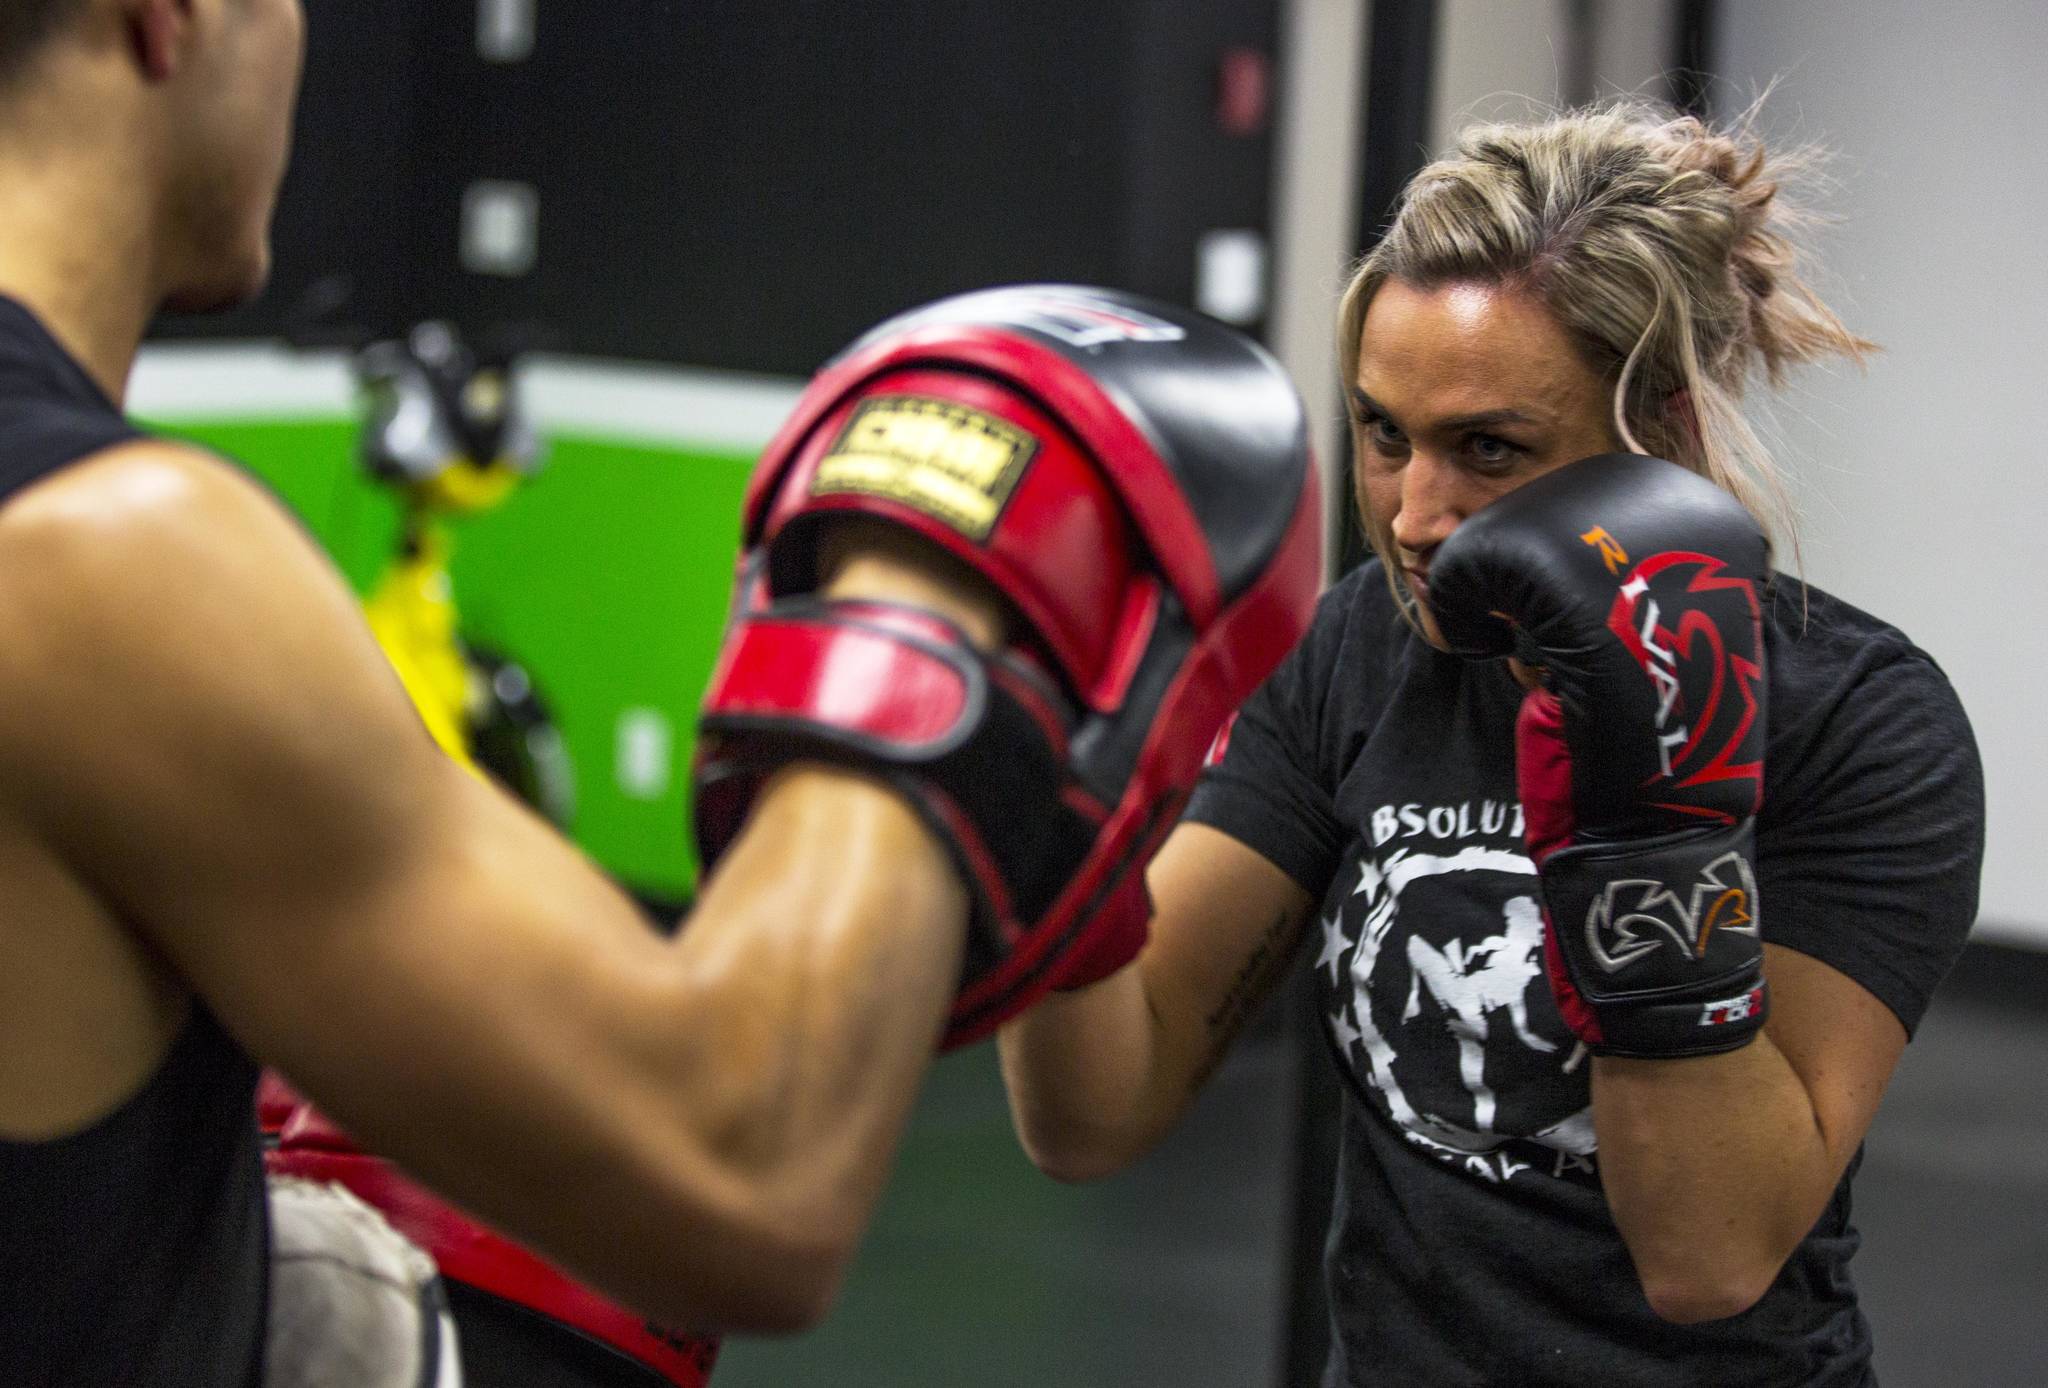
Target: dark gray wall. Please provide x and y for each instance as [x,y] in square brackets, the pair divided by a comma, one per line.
[747,187]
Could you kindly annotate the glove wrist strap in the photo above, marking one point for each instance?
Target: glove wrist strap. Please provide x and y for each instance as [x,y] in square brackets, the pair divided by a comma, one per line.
[1660,938]
[976,743]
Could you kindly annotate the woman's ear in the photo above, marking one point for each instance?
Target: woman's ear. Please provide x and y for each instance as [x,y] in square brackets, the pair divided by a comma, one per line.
[1682,417]
[158,32]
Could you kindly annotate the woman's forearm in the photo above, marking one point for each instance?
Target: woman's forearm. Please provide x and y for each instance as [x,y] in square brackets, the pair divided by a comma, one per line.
[1079,1068]
[1715,1167]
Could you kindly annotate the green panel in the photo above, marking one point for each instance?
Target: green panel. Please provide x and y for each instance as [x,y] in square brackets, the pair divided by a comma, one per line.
[607,576]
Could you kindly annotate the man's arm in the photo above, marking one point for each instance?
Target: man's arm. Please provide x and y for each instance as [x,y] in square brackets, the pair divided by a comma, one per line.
[1717,1166]
[1098,1076]
[202,728]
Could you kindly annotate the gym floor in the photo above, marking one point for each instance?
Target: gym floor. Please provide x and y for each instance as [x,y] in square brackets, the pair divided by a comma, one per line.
[981,1272]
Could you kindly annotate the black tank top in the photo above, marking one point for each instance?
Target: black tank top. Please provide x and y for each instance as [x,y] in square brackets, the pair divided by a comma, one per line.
[136,1251]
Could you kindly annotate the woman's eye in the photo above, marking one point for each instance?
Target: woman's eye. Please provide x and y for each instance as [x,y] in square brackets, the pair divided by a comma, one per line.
[1382,432]
[1488,449]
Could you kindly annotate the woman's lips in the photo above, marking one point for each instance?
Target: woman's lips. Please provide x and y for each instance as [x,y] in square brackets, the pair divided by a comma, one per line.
[1418,580]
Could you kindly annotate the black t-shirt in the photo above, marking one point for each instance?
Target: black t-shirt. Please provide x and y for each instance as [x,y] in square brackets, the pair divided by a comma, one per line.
[1471,1242]
[134,1251]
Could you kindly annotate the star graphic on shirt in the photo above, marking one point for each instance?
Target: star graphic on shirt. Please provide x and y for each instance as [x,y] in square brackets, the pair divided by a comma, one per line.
[1346,1034]
[1334,945]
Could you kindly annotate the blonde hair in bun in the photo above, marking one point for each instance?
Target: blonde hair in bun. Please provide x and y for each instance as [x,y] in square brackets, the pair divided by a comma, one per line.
[1668,249]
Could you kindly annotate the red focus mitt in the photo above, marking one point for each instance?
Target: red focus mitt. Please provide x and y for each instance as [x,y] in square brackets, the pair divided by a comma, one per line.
[1135,480]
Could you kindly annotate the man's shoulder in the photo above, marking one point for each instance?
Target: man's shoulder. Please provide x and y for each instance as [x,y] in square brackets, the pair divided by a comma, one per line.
[138,570]
[119,515]
[138,480]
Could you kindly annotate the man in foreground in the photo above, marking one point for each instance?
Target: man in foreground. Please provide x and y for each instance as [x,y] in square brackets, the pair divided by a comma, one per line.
[225,837]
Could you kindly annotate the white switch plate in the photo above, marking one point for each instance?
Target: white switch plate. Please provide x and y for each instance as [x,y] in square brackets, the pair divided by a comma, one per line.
[500,228]
[1230,274]
[504,30]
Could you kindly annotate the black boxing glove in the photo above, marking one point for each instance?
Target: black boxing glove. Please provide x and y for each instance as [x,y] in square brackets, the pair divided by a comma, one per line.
[1635,586]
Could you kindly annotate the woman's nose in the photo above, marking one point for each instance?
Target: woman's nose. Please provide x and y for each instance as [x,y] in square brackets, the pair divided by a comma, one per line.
[1434,501]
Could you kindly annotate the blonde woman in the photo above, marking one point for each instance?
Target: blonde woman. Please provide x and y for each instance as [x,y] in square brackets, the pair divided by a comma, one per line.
[1613,1031]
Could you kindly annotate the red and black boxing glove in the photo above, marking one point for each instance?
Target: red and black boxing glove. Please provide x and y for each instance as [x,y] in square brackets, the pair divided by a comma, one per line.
[1135,480]
[520,1319]
[1636,587]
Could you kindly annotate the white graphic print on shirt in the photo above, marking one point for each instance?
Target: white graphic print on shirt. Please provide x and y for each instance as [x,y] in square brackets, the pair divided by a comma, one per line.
[1432,955]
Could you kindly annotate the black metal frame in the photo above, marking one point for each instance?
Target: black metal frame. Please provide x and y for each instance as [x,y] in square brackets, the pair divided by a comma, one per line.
[1399,79]
[1399,75]
[1692,65]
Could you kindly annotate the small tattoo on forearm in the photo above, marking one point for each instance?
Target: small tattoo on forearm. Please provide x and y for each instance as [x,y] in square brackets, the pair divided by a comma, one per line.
[1254,979]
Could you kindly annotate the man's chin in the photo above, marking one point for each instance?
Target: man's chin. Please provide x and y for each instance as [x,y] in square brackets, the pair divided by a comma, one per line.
[219,293]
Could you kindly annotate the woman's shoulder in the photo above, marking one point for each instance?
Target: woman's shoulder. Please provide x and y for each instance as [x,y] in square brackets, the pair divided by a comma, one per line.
[1849,688]
[1357,628]
[1337,672]
[1817,641]
[1361,603]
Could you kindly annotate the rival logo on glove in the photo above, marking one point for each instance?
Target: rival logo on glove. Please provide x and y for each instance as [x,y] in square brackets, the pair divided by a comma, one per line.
[1634,916]
[1611,552]
[1675,613]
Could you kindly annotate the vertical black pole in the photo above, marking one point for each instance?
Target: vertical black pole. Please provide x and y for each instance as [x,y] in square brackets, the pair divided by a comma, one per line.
[1399,67]
[1578,66]
[1399,78]
[1692,66]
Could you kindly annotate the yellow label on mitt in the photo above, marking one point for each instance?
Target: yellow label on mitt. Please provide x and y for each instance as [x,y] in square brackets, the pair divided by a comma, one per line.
[955,464]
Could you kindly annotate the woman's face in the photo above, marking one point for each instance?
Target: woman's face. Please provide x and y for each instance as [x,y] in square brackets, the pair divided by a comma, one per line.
[1463,394]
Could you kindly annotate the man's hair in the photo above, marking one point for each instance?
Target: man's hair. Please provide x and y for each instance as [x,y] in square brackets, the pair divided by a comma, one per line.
[25,25]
